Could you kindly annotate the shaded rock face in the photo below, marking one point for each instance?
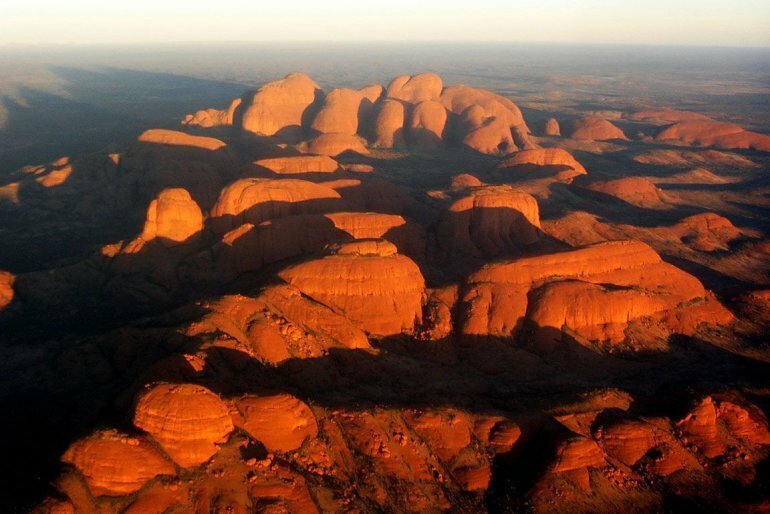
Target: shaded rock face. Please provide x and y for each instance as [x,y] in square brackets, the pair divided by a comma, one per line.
[595,129]
[491,221]
[599,290]
[188,421]
[250,247]
[368,282]
[714,133]
[116,464]
[173,217]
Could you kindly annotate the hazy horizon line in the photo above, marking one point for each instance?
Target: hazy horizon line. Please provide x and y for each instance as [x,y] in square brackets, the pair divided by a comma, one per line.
[64,45]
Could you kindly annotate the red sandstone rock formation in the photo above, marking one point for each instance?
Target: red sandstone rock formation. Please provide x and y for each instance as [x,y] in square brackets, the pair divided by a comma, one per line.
[187,420]
[498,296]
[250,247]
[257,200]
[208,118]
[549,160]
[637,191]
[173,217]
[426,124]
[116,464]
[491,220]
[344,110]
[551,127]
[333,144]
[299,164]
[489,122]
[281,422]
[388,129]
[175,138]
[464,181]
[714,133]
[281,105]
[595,129]
[368,282]
[706,232]
[415,89]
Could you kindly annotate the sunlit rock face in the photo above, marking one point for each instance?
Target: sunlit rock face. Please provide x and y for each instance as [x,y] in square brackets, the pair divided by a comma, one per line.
[116,464]
[594,291]
[173,217]
[283,105]
[367,280]
[257,200]
[187,421]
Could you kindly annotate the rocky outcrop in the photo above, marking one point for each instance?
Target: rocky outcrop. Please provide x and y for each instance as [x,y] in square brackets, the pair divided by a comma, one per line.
[637,191]
[716,134]
[280,106]
[299,164]
[426,124]
[554,161]
[464,181]
[595,129]
[187,420]
[173,218]
[551,127]
[280,422]
[208,118]
[368,282]
[116,464]
[489,123]
[345,111]
[250,247]
[593,291]
[490,221]
[334,144]
[176,138]
[388,128]
[256,200]
[415,89]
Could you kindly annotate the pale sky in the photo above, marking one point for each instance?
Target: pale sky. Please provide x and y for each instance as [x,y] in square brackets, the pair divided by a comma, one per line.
[695,22]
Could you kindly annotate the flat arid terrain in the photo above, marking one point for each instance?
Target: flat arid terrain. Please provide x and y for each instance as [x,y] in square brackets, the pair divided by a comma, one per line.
[244,278]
